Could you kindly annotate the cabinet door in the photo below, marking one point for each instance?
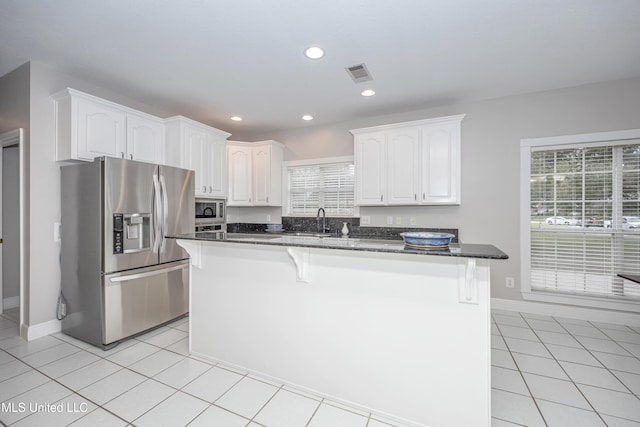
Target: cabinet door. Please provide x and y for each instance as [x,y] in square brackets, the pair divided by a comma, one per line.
[370,169]
[239,174]
[145,139]
[101,130]
[194,144]
[403,166]
[261,176]
[217,166]
[440,159]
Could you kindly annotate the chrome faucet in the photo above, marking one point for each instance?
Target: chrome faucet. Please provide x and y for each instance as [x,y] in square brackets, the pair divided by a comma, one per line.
[324,228]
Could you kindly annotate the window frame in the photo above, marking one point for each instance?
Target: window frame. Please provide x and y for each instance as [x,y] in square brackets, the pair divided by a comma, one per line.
[611,138]
[313,162]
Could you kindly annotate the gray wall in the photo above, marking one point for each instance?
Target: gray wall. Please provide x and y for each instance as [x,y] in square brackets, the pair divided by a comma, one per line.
[14,114]
[491,133]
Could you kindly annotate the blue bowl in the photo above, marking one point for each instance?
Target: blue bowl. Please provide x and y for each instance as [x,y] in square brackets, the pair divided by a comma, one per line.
[427,239]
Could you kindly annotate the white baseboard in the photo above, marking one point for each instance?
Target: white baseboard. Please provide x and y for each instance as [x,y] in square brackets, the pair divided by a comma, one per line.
[11,302]
[559,310]
[40,330]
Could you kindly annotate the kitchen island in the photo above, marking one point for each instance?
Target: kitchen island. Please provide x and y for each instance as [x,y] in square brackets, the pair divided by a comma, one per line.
[404,333]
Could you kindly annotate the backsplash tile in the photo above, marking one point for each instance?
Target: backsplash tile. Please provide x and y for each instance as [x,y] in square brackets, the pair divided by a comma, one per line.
[310,225]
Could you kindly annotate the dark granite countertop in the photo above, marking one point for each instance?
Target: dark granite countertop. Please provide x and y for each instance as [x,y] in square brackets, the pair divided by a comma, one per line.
[462,250]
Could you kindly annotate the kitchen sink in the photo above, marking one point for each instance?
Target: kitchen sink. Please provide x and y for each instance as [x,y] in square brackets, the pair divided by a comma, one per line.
[307,234]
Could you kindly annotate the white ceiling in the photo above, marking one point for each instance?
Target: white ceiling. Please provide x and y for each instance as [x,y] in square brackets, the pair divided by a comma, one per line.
[211,59]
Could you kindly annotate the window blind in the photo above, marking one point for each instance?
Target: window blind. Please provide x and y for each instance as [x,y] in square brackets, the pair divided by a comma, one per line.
[585,220]
[330,186]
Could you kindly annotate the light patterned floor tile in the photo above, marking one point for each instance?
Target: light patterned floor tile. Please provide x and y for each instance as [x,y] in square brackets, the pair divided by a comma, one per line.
[287,409]
[247,397]
[135,402]
[611,402]
[112,386]
[182,373]
[508,380]
[555,390]
[212,384]
[177,410]
[539,366]
[216,416]
[592,375]
[515,408]
[330,416]
[156,362]
[557,415]
[99,417]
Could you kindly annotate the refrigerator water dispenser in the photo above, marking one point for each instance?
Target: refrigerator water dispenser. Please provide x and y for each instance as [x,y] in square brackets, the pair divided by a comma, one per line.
[131,232]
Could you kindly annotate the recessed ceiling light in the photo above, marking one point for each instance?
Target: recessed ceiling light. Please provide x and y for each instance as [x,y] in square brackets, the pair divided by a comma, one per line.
[368,92]
[307,117]
[236,118]
[314,52]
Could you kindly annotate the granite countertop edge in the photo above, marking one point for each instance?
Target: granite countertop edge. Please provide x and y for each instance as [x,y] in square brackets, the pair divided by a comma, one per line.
[353,243]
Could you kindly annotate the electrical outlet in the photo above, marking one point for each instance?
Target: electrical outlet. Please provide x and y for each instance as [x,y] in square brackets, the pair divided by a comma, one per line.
[57,232]
[398,220]
[365,220]
[412,220]
[389,220]
[268,218]
[510,282]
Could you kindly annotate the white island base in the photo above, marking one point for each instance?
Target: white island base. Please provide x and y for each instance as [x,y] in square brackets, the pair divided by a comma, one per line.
[401,335]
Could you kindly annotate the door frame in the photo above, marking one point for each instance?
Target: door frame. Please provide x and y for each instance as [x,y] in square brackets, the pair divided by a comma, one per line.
[7,139]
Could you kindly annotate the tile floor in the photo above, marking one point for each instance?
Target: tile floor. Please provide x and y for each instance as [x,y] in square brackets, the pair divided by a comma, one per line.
[545,372]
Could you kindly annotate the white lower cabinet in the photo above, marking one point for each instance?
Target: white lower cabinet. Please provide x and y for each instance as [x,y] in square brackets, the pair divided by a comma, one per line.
[201,148]
[409,163]
[89,127]
[254,173]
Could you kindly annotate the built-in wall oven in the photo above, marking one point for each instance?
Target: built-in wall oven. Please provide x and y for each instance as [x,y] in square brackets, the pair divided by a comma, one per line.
[210,215]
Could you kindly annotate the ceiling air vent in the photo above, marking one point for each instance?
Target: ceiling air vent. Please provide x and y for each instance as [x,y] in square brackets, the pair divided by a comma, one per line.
[359,73]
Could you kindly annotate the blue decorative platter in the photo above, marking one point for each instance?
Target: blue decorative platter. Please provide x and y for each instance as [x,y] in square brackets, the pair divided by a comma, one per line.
[427,239]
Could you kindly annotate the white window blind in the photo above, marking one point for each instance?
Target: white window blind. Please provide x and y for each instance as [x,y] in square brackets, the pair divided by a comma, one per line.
[585,220]
[330,186]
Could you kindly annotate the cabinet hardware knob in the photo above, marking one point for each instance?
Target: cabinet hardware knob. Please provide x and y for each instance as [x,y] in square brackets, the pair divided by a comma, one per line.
[415,197]
[210,189]
[381,197]
[131,156]
[423,196]
[204,188]
[267,199]
[122,154]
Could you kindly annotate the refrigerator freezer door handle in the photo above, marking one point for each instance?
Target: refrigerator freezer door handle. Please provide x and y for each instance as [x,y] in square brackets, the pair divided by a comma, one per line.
[157,237]
[146,274]
[165,211]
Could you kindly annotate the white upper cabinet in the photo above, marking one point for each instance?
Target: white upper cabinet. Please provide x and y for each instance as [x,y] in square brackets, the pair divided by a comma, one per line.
[201,148]
[403,166]
[145,139]
[409,163]
[440,152]
[254,173]
[239,160]
[371,170]
[89,127]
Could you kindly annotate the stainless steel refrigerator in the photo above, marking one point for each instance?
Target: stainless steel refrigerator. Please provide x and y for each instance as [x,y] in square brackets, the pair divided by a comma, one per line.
[120,275]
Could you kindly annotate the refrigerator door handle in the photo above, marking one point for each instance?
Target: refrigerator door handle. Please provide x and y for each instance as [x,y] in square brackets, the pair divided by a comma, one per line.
[118,279]
[157,237]
[165,211]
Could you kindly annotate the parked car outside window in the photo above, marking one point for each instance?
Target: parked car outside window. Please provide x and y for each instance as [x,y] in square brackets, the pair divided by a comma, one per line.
[560,220]
[630,222]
